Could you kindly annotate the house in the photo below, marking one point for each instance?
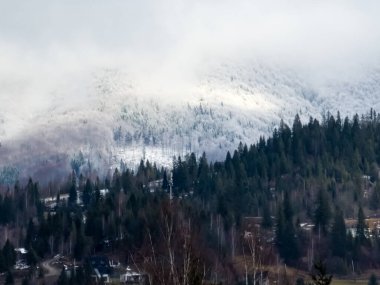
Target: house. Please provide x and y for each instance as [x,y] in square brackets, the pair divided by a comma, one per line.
[155,185]
[133,278]
[101,268]
[103,192]
[306,226]
[21,263]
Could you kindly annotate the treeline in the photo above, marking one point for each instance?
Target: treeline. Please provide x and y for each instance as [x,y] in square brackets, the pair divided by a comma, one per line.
[319,173]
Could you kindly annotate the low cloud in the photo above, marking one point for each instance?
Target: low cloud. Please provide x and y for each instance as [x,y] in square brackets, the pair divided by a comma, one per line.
[51,46]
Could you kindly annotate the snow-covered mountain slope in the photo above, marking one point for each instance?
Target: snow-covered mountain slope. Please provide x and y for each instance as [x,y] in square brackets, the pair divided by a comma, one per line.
[109,116]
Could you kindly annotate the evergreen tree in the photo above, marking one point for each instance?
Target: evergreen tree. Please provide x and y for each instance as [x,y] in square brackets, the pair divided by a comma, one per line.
[30,234]
[288,209]
[361,228]
[31,257]
[165,181]
[300,281]
[267,219]
[338,235]
[116,181]
[62,279]
[9,254]
[204,177]
[3,262]
[320,277]
[374,201]
[87,193]
[322,211]
[372,280]
[73,194]
[285,232]
[9,278]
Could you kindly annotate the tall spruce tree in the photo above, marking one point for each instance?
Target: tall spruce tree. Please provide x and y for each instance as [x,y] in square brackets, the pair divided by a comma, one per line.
[361,228]
[322,211]
[338,235]
[374,201]
[320,276]
[286,240]
[267,219]
[373,280]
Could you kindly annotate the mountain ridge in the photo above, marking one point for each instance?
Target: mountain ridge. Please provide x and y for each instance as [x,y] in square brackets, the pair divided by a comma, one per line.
[113,118]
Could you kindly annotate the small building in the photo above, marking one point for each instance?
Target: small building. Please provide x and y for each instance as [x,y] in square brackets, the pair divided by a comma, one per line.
[132,277]
[21,263]
[103,192]
[155,185]
[101,268]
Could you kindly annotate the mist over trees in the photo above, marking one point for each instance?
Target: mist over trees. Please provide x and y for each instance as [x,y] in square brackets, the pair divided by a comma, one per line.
[304,194]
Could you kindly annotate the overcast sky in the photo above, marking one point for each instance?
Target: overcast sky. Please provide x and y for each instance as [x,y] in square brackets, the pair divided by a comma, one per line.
[42,40]
[107,30]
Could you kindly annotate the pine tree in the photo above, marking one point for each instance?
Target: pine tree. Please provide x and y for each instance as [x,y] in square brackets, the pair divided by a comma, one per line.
[30,234]
[73,194]
[285,232]
[165,182]
[320,277]
[267,219]
[338,235]
[374,201]
[361,228]
[87,193]
[372,280]
[9,254]
[62,279]
[9,278]
[322,211]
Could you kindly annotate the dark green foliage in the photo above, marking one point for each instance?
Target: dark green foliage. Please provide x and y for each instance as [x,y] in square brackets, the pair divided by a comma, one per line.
[165,181]
[338,265]
[300,281]
[361,228]
[373,280]
[62,279]
[320,276]
[9,255]
[300,174]
[322,211]
[9,278]
[8,175]
[30,234]
[76,162]
[267,219]
[338,235]
[87,193]
[32,257]
[374,201]
[73,196]
[195,272]
[286,240]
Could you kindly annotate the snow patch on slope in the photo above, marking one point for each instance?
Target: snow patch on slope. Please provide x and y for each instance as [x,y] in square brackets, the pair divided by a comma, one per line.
[112,118]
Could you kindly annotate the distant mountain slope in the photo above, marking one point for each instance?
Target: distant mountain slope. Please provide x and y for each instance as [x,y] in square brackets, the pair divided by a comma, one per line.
[113,118]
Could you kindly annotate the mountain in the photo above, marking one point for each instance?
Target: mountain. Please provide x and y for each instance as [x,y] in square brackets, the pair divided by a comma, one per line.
[108,117]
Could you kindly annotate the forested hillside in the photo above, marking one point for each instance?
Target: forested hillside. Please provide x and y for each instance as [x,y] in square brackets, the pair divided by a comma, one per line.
[309,192]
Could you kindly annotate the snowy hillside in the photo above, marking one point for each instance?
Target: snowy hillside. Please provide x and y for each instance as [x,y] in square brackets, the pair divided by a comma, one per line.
[114,117]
